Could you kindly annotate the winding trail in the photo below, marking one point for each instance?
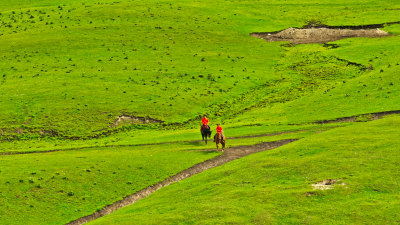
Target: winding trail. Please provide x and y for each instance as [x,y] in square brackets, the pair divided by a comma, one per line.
[227,156]
[369,116]
[150,144]
[372,116]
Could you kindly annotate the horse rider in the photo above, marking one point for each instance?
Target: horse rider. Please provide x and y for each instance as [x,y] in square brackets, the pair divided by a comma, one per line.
[219,131]
[204,121]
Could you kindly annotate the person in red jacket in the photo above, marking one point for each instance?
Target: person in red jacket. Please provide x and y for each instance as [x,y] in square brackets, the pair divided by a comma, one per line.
[219,131]
[204,121]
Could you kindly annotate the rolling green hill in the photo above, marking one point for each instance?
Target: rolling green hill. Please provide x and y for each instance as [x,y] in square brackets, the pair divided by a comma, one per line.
[276,187]
[71,71]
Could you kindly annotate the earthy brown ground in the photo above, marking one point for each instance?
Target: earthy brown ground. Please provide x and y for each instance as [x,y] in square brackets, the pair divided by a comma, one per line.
[318,35]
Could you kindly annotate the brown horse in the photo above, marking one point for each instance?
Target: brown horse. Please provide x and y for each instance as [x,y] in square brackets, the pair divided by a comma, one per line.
[218,140]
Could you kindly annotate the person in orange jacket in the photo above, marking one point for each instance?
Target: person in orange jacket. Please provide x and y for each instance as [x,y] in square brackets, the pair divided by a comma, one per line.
[204,121]
[219,131]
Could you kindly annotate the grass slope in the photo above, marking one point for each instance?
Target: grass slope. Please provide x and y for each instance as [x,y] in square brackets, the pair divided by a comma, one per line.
[275,187]
[55,188]
[74,183]
[129,138]
[68,69]
[71,68]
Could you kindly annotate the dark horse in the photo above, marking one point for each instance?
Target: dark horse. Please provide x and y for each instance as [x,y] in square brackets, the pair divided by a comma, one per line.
[205,131]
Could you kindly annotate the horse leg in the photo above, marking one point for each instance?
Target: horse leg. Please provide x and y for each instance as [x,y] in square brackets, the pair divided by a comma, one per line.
[205,139]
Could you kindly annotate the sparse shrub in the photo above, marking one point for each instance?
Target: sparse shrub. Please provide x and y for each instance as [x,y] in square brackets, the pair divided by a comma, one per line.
[364,118]
[314,22]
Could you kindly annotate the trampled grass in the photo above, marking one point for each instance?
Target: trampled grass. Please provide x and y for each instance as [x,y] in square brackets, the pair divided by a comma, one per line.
[275,187]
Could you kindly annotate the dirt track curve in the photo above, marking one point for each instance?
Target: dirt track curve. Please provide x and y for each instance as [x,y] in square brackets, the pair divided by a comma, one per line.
[227,156]
[149,144]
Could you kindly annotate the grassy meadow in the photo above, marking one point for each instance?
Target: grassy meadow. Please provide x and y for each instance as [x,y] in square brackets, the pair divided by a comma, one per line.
[275,187]
[75,183]
[69,69]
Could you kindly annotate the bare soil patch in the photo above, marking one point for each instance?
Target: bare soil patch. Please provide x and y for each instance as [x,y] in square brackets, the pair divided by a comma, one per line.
[318,35]
[360,118]
[326,184]
[125,119]
[227,156]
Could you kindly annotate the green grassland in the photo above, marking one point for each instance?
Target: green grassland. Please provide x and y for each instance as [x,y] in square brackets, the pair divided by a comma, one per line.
[149,137]
[69,69]
[76,183]
[275,187]
[73,68]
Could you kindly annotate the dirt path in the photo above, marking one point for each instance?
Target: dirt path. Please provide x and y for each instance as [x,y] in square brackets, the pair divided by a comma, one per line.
[367,117]
[228,155]
[150,144]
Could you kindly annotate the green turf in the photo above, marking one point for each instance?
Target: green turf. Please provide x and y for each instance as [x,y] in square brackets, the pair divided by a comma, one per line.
[95,177]
[146,137]
[275,187]
[75,183]
[72,68]
[69,69]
